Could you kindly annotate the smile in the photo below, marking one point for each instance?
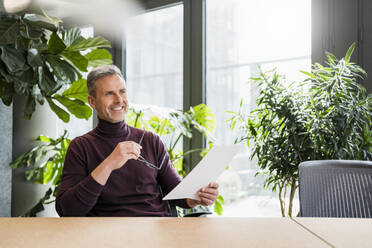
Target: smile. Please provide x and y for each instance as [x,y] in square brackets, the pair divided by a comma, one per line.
[118,108]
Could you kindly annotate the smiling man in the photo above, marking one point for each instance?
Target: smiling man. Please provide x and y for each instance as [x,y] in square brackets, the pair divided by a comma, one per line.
[116,169]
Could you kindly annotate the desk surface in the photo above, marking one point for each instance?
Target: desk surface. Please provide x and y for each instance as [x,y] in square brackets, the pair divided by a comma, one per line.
[340,232]
[155,232]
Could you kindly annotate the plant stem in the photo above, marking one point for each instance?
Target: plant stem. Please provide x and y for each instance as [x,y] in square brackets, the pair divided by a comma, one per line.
[175,143]
[137,117]
[291,196]
[193,150]
[282,207]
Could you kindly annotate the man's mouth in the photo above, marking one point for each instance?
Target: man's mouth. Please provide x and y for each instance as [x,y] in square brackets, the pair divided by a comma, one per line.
[119,108]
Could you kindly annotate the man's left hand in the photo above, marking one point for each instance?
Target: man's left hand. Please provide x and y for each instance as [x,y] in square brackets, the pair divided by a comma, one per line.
[207,195]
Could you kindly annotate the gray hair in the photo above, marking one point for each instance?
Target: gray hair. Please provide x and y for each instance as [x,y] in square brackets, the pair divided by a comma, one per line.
[100,72]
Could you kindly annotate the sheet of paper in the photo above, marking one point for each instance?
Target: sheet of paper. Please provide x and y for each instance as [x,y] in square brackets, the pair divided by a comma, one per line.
[206,171]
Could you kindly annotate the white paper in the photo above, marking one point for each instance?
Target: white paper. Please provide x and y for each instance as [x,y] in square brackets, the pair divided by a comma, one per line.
[206,171]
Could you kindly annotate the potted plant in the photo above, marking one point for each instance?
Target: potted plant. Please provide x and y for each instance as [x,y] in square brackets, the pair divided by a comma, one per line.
[42,61]
[327,116]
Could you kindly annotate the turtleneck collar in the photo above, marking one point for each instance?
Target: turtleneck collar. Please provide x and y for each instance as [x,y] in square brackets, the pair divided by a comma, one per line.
[114,130]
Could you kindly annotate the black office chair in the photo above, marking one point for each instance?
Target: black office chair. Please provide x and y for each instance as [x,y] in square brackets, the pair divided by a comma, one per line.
[335,188]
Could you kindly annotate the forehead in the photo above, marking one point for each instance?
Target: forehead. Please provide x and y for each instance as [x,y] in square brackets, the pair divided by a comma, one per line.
[108,83]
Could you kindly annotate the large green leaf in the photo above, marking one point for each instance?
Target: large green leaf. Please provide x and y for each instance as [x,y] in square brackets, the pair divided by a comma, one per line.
[49,171]
[7,92]
[35,175]
[62,69]
[31,31]
[33,58]
[76,59]
[44,139]
[78,90]
[9,29]
[20,87]
[55,44]
[76,107]
[71,35]
[218,208]
[41,47]
[41,21]
[99,57]
[161,126]
[36,93]
[63,115]
[29,107]
[90,43]
[47,84]
[349,53]
[14,60]
[205,117]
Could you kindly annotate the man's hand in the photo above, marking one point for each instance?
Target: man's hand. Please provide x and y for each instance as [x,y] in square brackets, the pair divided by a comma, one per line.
[120,155]
[208,196]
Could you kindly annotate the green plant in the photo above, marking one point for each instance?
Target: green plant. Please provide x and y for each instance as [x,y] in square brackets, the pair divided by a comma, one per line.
[325,117]
[40,60]
[171,125]
[44,163]
[340,120]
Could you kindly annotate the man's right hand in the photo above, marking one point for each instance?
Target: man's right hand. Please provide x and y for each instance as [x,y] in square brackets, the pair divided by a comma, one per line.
[120,155]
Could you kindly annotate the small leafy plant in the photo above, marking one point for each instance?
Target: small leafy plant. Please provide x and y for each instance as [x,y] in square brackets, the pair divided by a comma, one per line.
[44,164]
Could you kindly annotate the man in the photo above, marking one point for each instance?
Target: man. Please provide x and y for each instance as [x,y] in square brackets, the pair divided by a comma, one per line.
[116,169]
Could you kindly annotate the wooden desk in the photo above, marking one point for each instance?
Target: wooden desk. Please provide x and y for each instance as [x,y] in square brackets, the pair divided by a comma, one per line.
[340,232]
[155,232]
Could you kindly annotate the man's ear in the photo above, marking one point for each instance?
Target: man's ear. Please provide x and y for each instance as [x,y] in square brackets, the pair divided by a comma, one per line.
[92,102]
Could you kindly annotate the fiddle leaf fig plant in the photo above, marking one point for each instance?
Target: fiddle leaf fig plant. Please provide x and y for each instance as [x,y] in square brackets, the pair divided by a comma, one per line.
[41,60]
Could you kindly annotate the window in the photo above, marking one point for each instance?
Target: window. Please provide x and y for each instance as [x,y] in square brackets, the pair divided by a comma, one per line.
[239,35]
[154,58]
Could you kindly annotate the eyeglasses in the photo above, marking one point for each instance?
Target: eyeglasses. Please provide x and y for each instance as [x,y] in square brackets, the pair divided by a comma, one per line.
[148,164]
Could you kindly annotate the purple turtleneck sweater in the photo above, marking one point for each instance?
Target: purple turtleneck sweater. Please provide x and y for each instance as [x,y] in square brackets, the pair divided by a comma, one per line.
[132,190]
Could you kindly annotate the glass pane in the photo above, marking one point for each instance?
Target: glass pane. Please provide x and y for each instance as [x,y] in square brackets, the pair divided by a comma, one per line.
[154,58]
[240,35]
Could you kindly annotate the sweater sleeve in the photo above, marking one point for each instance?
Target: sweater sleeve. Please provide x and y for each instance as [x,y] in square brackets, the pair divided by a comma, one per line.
[78,192]
[168,177]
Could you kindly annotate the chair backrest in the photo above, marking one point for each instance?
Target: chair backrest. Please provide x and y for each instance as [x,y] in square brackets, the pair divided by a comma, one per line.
[335,188]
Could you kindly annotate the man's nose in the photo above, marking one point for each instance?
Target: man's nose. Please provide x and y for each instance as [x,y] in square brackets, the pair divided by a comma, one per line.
[118,98]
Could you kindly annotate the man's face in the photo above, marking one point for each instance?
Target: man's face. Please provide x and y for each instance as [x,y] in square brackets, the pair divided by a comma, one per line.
[110,102]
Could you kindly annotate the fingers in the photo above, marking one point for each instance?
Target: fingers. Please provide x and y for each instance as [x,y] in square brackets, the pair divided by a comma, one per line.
[134,156]
[208,195]
[213,185]
[208,198]
[129,149]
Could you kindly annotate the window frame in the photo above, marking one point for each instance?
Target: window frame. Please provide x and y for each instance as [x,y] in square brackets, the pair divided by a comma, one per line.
[194,61]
